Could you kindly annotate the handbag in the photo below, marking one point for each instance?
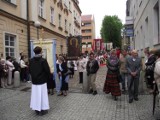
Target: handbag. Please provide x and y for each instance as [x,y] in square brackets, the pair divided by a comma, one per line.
[68,72]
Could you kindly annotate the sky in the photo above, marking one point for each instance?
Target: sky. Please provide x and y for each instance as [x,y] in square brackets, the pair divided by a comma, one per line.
[100,8]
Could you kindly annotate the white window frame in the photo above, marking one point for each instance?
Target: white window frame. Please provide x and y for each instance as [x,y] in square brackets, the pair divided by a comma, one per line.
[52,15]
[9,45]
[41,8]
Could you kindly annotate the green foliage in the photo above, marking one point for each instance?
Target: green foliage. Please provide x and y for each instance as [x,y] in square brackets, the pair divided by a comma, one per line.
[111,30]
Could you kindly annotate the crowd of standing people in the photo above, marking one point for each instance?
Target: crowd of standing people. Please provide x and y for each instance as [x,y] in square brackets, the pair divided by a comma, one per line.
[122,75]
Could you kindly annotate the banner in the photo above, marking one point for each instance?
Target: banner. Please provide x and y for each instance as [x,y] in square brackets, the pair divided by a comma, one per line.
[74,47]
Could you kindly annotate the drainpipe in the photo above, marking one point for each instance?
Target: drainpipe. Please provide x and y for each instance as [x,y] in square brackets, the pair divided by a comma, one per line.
[28,30]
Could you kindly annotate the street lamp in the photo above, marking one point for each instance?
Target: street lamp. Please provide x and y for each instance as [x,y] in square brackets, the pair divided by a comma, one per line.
[37,24]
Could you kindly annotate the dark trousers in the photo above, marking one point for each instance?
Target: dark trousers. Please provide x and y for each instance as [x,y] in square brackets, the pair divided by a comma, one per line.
[133,84]
[64,84]
[22,74]
[80,77]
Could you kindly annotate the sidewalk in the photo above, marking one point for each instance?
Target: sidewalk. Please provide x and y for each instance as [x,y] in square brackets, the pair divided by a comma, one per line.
[77,106]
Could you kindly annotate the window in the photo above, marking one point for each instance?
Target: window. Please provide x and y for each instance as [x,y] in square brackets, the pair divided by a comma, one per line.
[86,37]
[70,6]
[10,46]
[70,28]
[52,15]
[65,24]
[41,8]
[59,20]
[87,24]
[156,23]
[86,31]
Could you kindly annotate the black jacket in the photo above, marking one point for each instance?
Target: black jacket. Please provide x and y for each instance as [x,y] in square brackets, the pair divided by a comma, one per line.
[92,69]
[39,70]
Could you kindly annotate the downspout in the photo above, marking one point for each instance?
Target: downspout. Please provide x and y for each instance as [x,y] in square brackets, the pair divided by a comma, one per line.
[28,30]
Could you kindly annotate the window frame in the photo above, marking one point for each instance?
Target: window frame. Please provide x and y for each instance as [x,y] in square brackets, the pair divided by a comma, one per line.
[52,15]
[41,8]
[9,46]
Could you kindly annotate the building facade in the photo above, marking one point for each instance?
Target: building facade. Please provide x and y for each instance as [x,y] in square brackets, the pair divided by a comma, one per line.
[17,24]
[145,15]
[88,32]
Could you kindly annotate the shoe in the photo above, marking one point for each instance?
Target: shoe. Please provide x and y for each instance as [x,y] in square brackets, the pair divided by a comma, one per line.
[37,112]
[90,91]
[131,100]
[59,94]
[65,93]
[115,98]
[43,112]
[94,93]
[136,99]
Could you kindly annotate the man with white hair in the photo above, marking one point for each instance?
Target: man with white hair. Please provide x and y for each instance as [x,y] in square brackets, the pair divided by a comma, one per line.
[133,65]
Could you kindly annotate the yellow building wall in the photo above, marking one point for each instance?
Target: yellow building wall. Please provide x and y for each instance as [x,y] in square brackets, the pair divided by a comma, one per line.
[16,28]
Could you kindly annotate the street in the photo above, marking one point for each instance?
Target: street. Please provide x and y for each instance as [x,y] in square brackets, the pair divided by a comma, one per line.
[14,104]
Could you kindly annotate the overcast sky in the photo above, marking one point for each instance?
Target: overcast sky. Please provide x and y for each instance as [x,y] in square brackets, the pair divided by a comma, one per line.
[100,8]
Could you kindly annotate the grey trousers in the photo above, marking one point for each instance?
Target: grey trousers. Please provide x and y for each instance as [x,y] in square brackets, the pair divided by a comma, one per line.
[91,81]
[133,85]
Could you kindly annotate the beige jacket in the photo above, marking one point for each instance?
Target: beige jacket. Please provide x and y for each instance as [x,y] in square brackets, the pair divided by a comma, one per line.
[123,68]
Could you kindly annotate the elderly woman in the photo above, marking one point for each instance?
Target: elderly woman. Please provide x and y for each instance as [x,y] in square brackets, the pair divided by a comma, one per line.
[112,81]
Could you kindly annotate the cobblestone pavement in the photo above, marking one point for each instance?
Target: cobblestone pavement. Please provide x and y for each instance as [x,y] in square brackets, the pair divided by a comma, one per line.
[14,104]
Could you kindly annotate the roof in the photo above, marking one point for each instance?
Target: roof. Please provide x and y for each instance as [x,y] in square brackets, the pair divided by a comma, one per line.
[86,17]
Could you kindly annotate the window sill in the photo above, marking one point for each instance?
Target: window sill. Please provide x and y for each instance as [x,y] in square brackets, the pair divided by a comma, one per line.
[60,28]
[10,3]
[41,18]
[52,24]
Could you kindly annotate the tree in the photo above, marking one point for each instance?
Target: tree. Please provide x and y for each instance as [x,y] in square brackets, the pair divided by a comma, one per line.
[111,30]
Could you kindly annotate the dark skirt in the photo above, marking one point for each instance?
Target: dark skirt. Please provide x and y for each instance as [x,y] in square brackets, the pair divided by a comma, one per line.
[51,82]
[112,85]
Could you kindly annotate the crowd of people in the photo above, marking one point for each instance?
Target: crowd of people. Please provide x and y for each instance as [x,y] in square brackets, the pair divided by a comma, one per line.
[123,74]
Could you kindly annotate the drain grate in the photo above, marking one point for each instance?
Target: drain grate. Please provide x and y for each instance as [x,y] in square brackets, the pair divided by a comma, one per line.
[26,89]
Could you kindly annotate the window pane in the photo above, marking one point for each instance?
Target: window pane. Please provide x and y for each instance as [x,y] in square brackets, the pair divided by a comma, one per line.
[6,42]
[11,38]
[6,37]
[7,54]
[12,54]
[11,49]
[7,50]
[11,43]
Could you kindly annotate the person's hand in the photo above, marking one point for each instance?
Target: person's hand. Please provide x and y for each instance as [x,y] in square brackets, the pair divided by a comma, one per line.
[133,74]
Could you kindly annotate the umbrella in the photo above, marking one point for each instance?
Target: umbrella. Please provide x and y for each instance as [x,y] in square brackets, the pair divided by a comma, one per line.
[154,97]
